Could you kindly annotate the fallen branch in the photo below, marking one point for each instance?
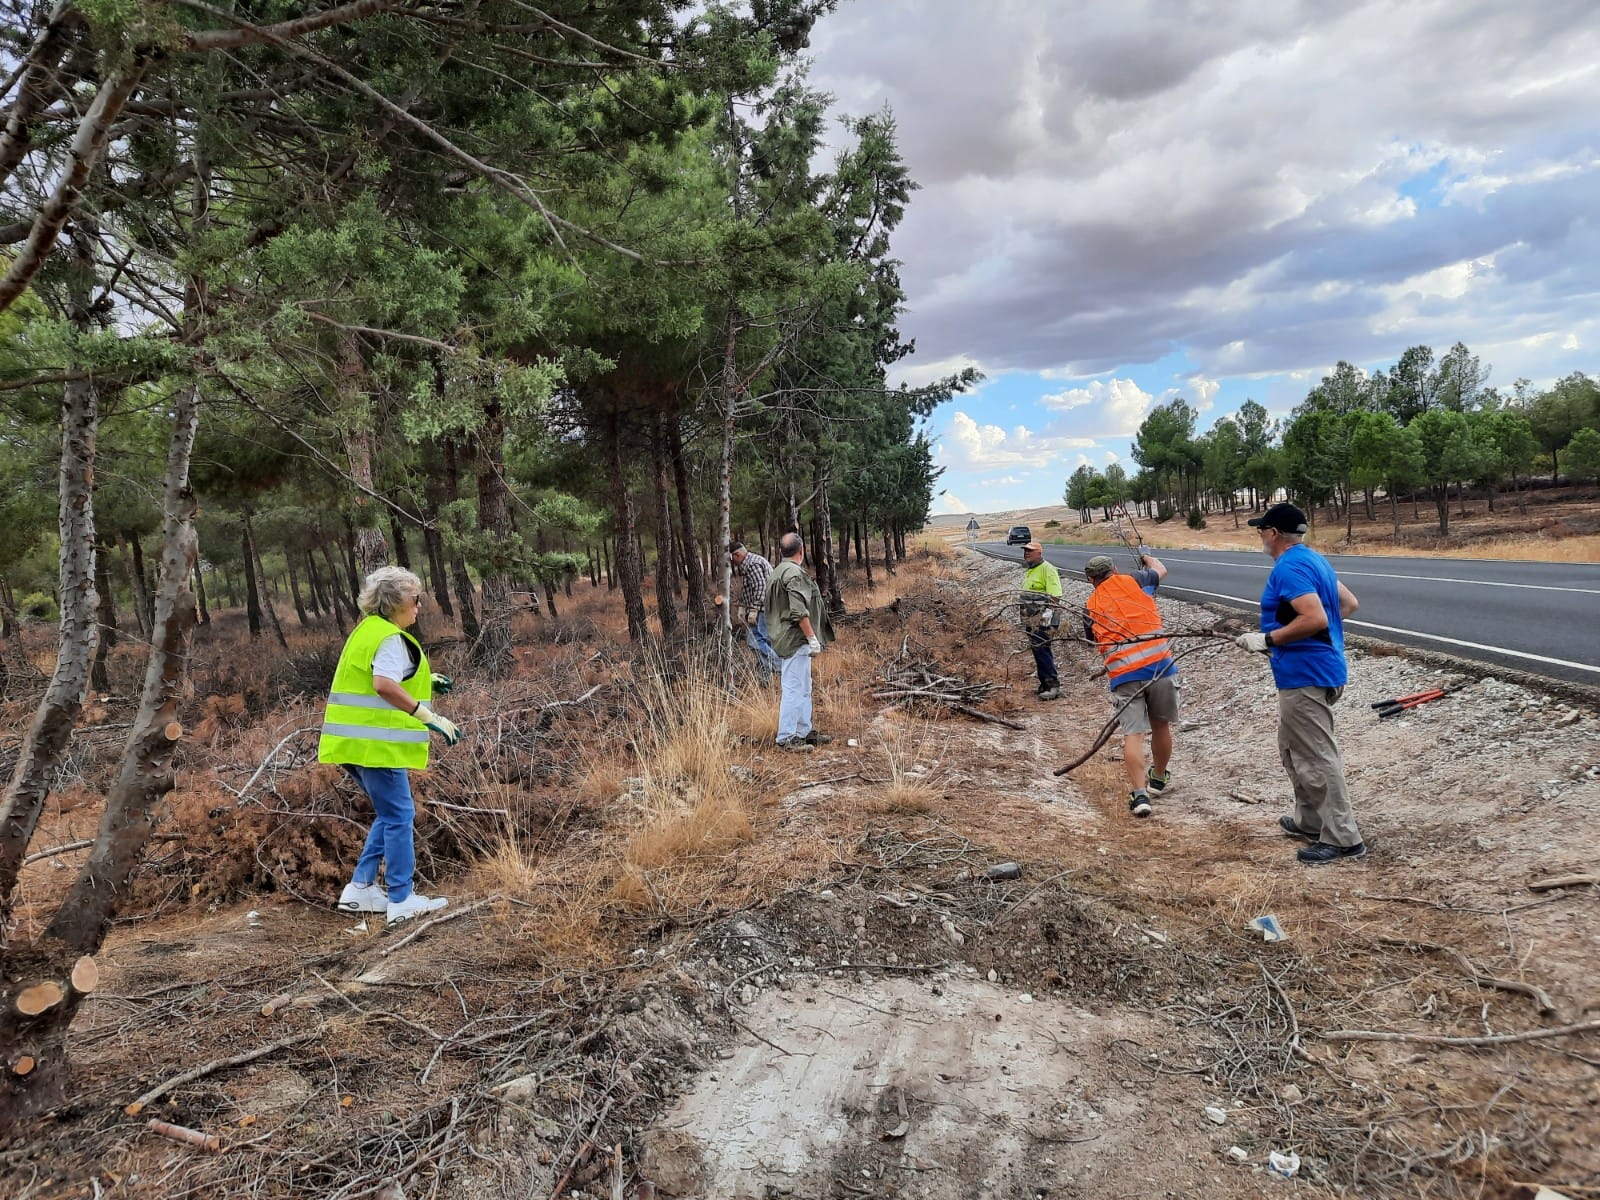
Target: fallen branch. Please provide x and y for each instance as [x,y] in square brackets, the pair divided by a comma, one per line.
[181,1133]
[427,925]
[968,710]
[85,843]
[217,1064]
[1537,994]
[1439,1039]
[267,761]
[1562,881]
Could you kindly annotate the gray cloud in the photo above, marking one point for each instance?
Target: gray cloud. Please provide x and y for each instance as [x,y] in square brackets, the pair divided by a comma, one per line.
[1268,186]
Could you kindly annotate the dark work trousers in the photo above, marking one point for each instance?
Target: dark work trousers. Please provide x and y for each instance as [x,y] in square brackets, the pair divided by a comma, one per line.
[1044,661]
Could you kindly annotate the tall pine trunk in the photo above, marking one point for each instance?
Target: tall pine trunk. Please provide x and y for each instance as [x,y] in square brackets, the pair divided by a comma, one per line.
[143,780]
[630,572]
[62,703]
[688,536]
[458,565]
[106,616]
[492,651]
[666,555]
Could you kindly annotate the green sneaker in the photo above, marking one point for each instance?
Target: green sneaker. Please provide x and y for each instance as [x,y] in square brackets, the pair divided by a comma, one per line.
[1158,783]
[1139,803]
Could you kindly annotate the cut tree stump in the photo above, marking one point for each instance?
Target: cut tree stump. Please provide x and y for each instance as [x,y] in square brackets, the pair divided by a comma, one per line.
[85,975]
[38,998]
[23,1065]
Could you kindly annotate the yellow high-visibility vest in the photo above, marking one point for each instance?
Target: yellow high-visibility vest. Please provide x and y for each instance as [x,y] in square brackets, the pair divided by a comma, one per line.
[361,728]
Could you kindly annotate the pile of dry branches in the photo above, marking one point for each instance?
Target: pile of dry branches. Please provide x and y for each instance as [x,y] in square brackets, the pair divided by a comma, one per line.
[913,681]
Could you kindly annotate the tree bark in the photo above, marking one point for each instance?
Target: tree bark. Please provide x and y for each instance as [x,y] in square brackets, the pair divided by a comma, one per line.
[294,589]
[433,543]
[699,610]
[458,564]
[630,573]
[492,650]
[94,128]
[133,565]
[106,616]
[261,576]
[145,777]
[397,535]
[352,565]
[666,554]
[200,593]
[827,573]
[355,406]
[252,592]
[63,699]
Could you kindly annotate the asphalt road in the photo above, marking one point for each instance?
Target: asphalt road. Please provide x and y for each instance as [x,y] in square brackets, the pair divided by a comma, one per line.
[1538,617]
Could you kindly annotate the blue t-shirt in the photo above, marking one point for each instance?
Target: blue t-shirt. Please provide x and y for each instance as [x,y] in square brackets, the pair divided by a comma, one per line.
[1316,661]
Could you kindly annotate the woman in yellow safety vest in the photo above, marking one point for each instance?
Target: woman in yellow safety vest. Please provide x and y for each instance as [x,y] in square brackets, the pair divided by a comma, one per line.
[376,726]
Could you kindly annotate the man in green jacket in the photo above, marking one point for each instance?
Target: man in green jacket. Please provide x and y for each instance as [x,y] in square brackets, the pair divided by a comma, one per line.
[1041,583]
[797,622]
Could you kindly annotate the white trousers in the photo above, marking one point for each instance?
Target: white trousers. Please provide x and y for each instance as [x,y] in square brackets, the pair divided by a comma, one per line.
[794,709]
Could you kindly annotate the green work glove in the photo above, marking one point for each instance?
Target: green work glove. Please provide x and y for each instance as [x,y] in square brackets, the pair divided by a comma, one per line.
[442,684]
[444,727]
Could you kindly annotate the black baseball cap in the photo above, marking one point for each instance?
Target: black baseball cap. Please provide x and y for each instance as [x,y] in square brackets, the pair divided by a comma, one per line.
[1285,518]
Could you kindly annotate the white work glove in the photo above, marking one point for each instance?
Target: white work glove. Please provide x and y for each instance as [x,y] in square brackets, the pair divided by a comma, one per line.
[814,645]
[1144,553]
[1256,643]
[442,684]
[445,728]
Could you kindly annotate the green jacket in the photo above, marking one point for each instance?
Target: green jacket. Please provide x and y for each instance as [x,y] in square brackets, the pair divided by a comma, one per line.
[360,727]
[792,594]
[1043,578]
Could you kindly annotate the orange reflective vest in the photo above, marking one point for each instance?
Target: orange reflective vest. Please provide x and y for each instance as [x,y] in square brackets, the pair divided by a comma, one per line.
[1120,612]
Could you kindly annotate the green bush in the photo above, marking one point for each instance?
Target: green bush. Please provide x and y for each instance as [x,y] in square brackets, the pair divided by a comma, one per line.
[1052,524]
[38,606]
[1197,519]
[1165,512]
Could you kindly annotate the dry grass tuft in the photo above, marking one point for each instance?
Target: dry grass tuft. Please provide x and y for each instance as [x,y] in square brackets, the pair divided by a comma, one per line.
[915,765]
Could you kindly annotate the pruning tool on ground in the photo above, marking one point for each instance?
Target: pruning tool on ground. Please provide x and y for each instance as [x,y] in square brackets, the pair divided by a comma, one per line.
[1396,705]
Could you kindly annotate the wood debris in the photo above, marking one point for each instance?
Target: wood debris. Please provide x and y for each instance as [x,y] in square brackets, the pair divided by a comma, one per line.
[913,681]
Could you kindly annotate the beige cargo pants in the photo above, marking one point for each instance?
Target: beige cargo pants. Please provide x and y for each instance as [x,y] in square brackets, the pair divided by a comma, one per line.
[1311,757]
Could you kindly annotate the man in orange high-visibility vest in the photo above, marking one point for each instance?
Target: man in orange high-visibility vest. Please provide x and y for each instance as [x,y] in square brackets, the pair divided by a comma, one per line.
[1125,624]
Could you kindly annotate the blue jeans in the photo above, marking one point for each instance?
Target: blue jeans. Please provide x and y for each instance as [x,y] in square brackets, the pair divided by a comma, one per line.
[756,638]
[794,706]
[1044,659]
[390,841]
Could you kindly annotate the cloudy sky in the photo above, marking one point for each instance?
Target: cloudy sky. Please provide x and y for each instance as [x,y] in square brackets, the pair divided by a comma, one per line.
[1129,200]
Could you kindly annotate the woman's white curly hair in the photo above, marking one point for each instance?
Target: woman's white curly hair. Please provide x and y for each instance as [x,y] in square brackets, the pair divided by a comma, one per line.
[386,589]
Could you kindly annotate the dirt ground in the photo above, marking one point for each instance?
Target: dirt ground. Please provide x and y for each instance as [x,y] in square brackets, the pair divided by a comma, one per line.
[848,1005]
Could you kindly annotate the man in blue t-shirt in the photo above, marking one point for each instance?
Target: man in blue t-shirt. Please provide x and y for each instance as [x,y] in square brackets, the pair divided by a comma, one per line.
[1303,608]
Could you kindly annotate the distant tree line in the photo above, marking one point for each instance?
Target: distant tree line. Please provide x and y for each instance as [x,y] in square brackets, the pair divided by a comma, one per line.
[1422,427]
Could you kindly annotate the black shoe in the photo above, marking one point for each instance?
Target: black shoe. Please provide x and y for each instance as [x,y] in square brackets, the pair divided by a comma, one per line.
[1139,804]
[1053,692]
[1288,826]
[1157,784]
[1323,852]
[818,739]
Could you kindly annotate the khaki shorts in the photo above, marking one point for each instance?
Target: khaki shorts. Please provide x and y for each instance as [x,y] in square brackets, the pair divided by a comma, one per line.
[1157,701]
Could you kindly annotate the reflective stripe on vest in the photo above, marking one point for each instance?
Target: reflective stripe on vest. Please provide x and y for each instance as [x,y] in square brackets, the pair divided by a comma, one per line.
[1122,613]
[361,728]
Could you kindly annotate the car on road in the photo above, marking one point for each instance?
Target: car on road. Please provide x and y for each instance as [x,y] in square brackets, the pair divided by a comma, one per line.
[1018,535]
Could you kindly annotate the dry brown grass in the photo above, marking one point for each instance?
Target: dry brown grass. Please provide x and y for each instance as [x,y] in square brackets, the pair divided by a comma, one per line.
[913,758]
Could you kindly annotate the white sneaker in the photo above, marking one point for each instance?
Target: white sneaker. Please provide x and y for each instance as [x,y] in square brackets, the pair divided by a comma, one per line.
[363,898]
[413,905]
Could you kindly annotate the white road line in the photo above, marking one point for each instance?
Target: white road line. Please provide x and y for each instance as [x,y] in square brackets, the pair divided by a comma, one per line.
[1416,633]
[1349,574]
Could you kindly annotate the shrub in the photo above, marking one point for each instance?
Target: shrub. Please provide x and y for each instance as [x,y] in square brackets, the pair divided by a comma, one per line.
[1052,524]
[1197,519]
[1165,511]
[38,606]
